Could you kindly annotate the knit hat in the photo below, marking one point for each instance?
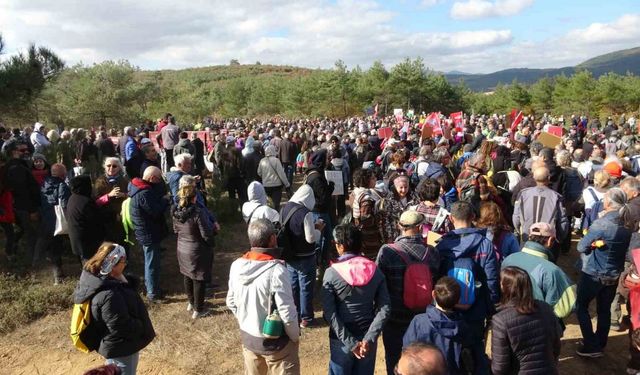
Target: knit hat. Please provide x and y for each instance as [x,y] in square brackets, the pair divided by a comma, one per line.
[318,159]
[614,169]
[38,156]
[411,218]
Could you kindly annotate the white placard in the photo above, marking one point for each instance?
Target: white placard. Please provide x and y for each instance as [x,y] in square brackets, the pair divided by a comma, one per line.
[336,177]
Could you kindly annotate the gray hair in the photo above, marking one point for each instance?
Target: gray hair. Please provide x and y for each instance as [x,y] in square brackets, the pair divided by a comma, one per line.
[439,155]
[186,180]
[563,158]
[631,184]
[181,158]
[110,160]
[617,198]
[260,232]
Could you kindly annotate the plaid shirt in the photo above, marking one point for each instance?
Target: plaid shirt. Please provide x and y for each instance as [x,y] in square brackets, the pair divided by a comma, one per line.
[430,213]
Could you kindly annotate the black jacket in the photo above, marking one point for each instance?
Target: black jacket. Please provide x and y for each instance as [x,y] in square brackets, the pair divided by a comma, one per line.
[322,190]
[122,324]
[25,188]
[525,344]
[86,230]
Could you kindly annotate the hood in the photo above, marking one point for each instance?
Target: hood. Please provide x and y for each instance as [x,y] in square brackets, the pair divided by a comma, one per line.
[256,193]
[89,285]
[137,185]
[304,196]
[447,325]
[249,269]
[318,159]
[249,144]
[182,214]
[270,151]
[462,241]
[38,127]
[356,271]
[337,162]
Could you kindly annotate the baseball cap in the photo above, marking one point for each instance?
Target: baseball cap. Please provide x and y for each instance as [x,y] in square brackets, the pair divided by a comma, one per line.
[542,229]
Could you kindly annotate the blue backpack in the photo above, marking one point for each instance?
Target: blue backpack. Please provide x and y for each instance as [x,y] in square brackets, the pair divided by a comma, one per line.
[468,275]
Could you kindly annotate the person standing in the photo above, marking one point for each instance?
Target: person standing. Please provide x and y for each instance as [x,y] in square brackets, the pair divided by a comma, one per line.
[86,229]
[110,190]
[124,327]
[39,139]
[525,336]
[195,234]
[273,176]
[259,286]
[355,304]
[25,190]
[391,261]
[304,232]
[603,250]
[287,155]
[170,136]
[147,209]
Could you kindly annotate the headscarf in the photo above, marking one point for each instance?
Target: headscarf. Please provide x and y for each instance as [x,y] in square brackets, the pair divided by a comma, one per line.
[112,259]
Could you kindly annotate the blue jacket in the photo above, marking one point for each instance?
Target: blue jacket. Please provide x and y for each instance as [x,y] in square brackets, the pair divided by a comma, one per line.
[444,330]
[435,170]
[147,212]
[473,243]
[608,260]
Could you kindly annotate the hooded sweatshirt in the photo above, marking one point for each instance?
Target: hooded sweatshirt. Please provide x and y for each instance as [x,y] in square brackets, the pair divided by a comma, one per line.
[473,243]
[257,207]
[355,300]
[38,139]
[302,224]
[253,278]
[270,169]
[442,329]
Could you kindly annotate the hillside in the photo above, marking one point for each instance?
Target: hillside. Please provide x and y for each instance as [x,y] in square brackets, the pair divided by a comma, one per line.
[619,62]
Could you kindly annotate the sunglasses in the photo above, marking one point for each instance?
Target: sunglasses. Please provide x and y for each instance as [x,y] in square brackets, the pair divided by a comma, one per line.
[112,166]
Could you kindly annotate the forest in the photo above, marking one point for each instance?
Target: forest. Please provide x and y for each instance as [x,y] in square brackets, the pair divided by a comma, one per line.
[37,86]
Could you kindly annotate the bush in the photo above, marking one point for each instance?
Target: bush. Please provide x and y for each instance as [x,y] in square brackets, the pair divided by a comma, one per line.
[23,300]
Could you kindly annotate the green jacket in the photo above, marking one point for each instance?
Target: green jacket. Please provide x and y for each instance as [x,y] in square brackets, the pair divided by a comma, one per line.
[550,283]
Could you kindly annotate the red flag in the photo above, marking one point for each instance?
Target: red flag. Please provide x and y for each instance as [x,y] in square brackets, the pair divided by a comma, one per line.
[517,120]
[513,114]
[433,119]
[457,117]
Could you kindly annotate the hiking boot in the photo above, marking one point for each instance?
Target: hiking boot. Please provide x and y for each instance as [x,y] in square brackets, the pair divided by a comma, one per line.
[201,314]
[589,353]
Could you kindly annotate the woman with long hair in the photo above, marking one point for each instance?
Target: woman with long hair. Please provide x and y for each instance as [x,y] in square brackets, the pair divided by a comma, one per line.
[120,325]
[525,332]
[498,231]
[195,247]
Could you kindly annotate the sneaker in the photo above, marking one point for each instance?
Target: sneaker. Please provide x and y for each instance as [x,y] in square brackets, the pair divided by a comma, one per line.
[306,324]
[582,352]
[198,315]
[155,300]
[189,307]
[632,371]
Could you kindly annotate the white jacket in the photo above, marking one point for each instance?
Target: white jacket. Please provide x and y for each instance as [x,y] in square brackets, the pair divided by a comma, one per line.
[257,207]
[251,282]
[270,170]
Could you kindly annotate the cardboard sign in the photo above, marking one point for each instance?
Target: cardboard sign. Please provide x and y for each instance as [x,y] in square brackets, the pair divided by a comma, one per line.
[427,131]
[384,133]
[433,238]
[555,130]
[549,140]
[336,177]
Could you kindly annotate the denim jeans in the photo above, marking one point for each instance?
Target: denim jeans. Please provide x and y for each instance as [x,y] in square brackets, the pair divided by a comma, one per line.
[343,362]
[476,331]
[323,245]
[128,365]
[288,171]
[589,288]
[392,335]
[303,275]
[152,269]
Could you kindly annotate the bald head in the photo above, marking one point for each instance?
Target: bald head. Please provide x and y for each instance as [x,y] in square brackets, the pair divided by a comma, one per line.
[422,359]
[58,170]
[151,172]
[541,175]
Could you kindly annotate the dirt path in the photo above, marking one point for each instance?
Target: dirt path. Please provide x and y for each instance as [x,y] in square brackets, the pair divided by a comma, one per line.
[212,345]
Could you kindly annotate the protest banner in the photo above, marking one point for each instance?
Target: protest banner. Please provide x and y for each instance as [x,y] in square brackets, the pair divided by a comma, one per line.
[549,140]
[384,133]
[555,130]
[336,178]
[427,132]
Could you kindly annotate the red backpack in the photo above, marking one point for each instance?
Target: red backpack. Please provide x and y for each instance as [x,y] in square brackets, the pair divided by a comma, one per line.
[418,283]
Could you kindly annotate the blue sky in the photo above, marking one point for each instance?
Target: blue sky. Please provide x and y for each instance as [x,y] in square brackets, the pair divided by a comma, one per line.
[476,36]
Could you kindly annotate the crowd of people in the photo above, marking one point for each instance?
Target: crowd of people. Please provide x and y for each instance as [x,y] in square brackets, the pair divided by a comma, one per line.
[428,240]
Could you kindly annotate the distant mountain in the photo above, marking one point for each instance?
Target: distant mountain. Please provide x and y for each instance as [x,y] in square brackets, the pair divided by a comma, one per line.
[457,72]
[620,62]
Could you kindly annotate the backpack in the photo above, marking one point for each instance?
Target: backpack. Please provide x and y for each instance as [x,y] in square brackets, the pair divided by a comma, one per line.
[469,189]
[127,224]
[468,275]
[83,335]
[418,282]
[283,235]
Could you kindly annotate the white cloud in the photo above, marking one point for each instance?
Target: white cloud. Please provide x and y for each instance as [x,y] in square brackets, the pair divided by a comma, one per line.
[472,9]
[169,34]
[430,3]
